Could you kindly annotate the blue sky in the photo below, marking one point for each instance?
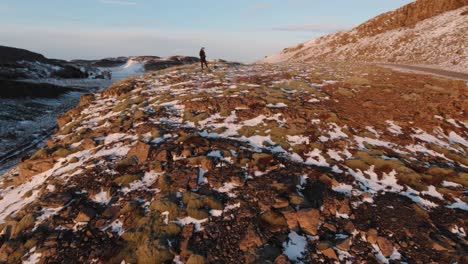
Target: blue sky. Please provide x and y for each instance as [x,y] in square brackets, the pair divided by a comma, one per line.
[241,30]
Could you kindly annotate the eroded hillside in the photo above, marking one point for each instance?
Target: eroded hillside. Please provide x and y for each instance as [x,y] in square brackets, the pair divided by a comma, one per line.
[427,32]
[252,164]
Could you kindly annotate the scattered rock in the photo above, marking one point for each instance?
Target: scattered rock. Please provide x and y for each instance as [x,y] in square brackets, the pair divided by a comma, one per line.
[140,151]
[344,245]
[282,259]
[308,220]
[250,241]
[85,215]
[330,253]
[372,236]
[385,246]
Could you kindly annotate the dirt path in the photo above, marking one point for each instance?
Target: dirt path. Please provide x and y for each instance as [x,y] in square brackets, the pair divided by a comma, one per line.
[432,71]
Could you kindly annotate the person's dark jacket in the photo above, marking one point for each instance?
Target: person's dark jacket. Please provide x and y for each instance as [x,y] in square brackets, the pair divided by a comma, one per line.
[202,54]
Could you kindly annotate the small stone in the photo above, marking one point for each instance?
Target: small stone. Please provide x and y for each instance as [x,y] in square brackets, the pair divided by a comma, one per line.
[186,153]
[438,247]
[291,219]
[207,164]
[330,253]
[329,227]
[372,236]
[85,215]
[328,181]
[250,241]
[344,245]
[187,232]
[350,227]
[309,220]
[282,259]
[87,143]
[280,203]
[385,246]
[322,245]
[140,151]
[161,156]
[343,207]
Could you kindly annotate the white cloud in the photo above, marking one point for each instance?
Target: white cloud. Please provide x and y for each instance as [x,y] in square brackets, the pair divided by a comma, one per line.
[118,2]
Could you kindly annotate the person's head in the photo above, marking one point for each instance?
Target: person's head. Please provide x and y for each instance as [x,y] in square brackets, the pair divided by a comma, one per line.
[203,48]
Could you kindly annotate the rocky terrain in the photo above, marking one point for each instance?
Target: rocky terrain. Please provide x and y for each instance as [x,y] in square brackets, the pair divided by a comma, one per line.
[290,163]
[34,90]
[23,64]
[427,32]
[139,64]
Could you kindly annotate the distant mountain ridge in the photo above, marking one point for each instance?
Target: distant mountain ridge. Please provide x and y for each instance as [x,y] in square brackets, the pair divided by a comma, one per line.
[10,55]
[430,32]
[18,63]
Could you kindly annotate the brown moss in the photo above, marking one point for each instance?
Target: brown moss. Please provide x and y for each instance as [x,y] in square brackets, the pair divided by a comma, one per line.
[61,153]
[25,223]
[127,179]
[196,259]
[197,214]
[166,206]
[274,219]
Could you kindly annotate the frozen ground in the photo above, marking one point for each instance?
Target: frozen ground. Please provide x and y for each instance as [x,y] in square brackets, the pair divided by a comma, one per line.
[26,123]
[313,163]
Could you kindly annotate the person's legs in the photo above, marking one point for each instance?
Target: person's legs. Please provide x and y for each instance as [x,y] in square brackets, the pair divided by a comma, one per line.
[206,64]
[201,62]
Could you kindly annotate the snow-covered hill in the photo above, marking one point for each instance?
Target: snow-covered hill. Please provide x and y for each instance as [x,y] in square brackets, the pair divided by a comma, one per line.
[409,35]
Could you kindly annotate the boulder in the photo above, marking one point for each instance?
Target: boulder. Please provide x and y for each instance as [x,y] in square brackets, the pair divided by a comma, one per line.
[385,246]
[330,253]
[282,259]
[140,151]
[85,215]
[308,220]
[250,241]
[372,236]
[344,245]
[162,156]
[29,168]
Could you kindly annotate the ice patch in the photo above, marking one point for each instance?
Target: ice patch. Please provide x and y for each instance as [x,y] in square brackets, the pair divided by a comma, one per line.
[459,231]
[315,158]
[343,188]
[144,184]
[278,105]
[433,192]
[295,248]
[394,128]
[116,227]
[454,138]
[459,204]
[190,220]
[215,154]
[298,140]
[227,188]
[102,198]
[448,184]
[33,257]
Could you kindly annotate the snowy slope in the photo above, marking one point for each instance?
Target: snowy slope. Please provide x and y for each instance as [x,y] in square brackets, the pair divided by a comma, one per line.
[440,41]
[131,68]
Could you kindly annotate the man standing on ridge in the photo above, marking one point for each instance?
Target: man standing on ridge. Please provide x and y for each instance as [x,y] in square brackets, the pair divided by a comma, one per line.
[203,58]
